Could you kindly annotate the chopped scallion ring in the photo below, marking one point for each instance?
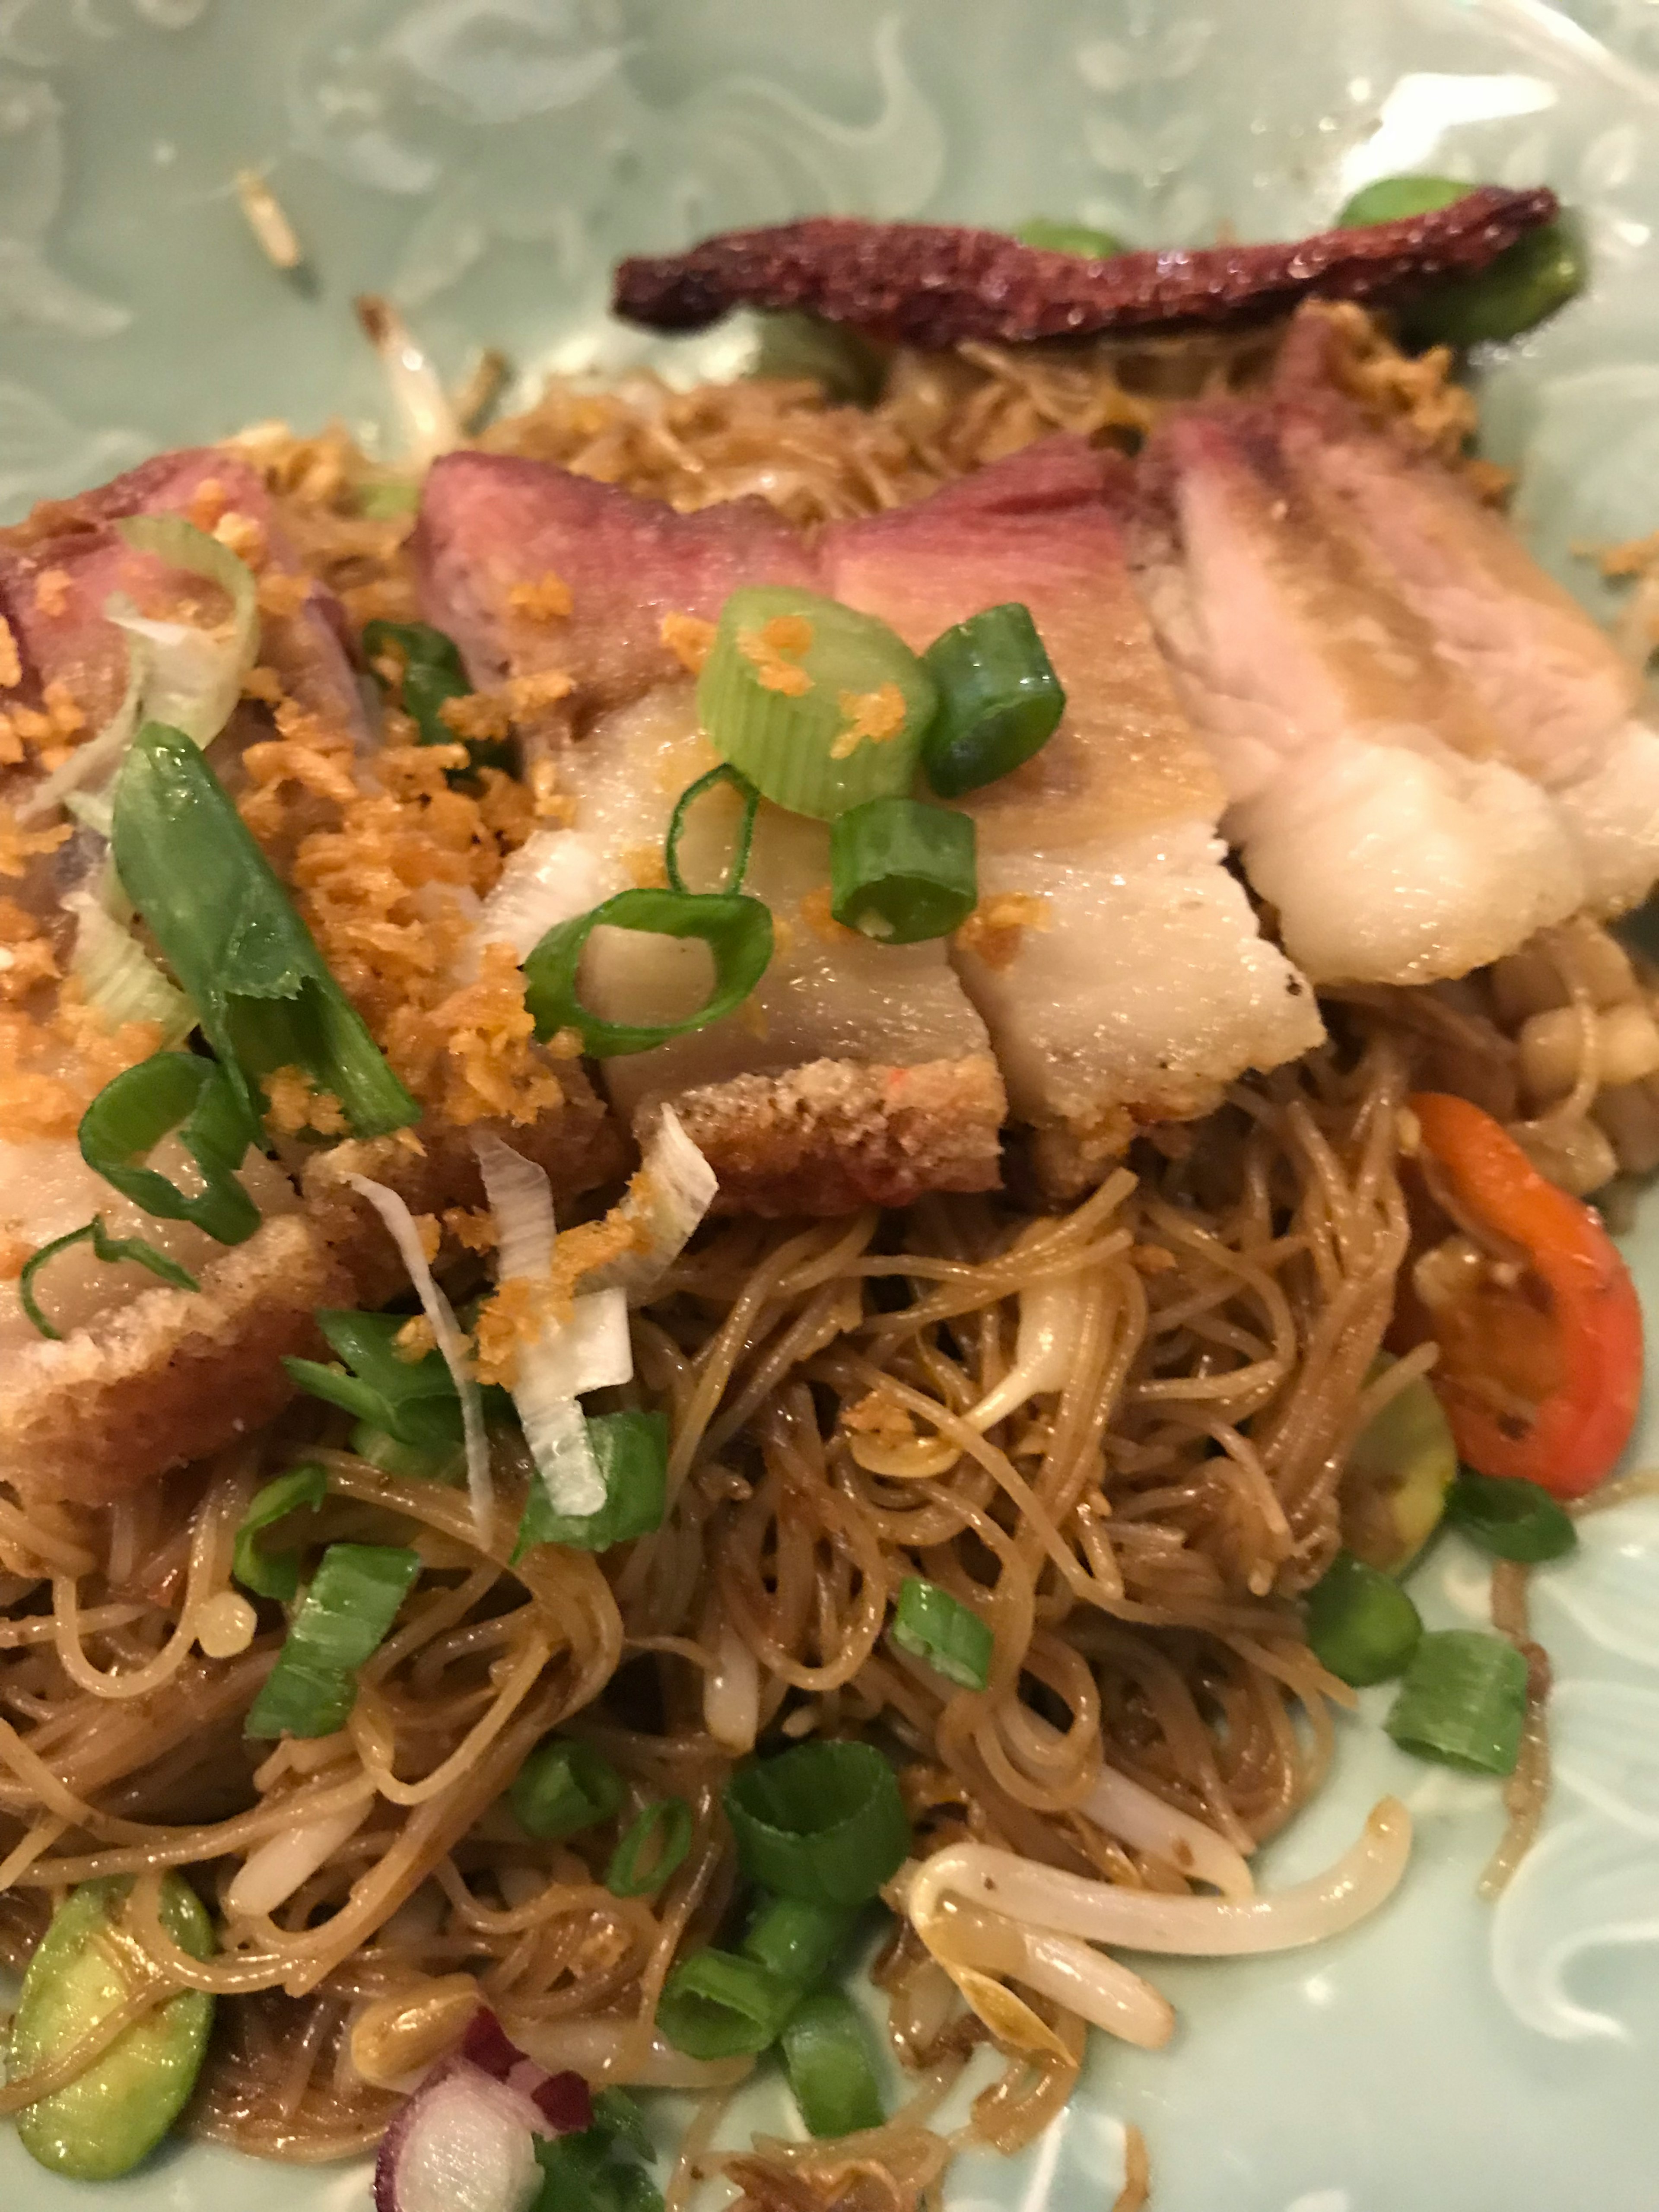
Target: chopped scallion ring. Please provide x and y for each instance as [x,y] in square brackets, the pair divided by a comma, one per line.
[275,1574]
[347,1613]
[651,1849]
[932,1624]
[826,2055]
[901,871]
[737,929]
[824,1822]
[796,1940]
[688,798]
[109,1252]
[1463,1702]
[413,1400]
[818,706]
[631,1451]
[1515,1519]
[563,1787]
[999,700]
[1361,1625]
[140,1106]
[714,2005]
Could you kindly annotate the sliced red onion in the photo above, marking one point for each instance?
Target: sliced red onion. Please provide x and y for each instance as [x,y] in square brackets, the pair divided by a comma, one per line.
[465,2142]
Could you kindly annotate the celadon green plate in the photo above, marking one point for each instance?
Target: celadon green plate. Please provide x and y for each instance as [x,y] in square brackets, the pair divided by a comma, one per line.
[484,162]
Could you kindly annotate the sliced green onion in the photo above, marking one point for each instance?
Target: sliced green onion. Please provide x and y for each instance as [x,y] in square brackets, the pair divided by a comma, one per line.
[1528,280]
[140,1106]
[563,1787]
[583,2173]
[824,1822]
[1463,1701]
[714,2005]
[798,1940]
[650,1850]
[688,798]
[432,675]
[901,871]
[118,978]
[788,679]
[1517,1520]
[1400,1467]
[737,930]
[192,676]
[231,936]
[109,1252]
[1361,1625]
[389,499]
[1080,238]
[631,1449]
[411,1463]
[999,700]
[618,2116]
[413,1400]
[275,1574]
[826,2054]
[932,1624]
[347,1612]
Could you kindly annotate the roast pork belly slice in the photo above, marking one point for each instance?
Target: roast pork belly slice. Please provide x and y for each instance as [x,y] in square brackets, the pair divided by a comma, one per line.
[1369,798]
[1139,983]
[853,1074]
[1566,707]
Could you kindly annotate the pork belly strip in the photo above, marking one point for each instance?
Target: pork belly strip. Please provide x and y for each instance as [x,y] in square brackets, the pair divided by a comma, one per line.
[1369,796]
[1566,707]
[1145,986]
[807,1099]
[935,284]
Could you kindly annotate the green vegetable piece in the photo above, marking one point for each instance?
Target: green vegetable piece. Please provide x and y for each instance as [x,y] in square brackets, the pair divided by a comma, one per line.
[999,700]
[563,1787]
[824,1822]
[140,1106]
[716,2005]
[595,2170]
[344,1621]
[102,2123]
[1394,1488]
[737,930]
[231,936]
[848,365]
[1463,1701]
[109,1252]
[826,2054]
[388,499]
[275,1574]
[1079,238]
[725,774]
[932,1624]
[631,1451]
[1361,1625]
[432,674]
[1517,1520]
[651,1849]
[414,1400]
[617,2116]
[413,1462]
[798,1941]
[1527,282]
[782,691]
[901,871]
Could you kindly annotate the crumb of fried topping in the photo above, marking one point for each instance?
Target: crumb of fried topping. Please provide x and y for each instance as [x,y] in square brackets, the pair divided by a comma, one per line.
[263,685]
[773,652]
[996,927]
[872,717]
[282,595]
[477,717]
[522,1307]
[208,503]
[52,593]
[11,660]
[417,1337]
[296,1104]
[15,1251]
[473,1228]
[816,913]
[52,731]
[244,534]
[548,801]
[688,638]
[646,866]
[879,1415]
[530,695]
[547,599]
[19,846]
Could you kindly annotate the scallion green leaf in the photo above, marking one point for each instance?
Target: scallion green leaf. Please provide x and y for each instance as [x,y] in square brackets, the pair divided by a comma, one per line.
[136,1108]
[725,774]
[818,706]
[563,1787]
[231,936]
[413,1400]
[1517,1520]
[932,1624]
[999,700]
[1079,238]
[798,1940]
[432,673]
[275,1574]
[595,2170]
[411,1462]
[631,1449]
[109,1252]
[737,930]
[1361,1625]
[823,1821]
[651,1847]
[826,2054]
[714,2005]
[1463,1701]
[901,871]
[344,1621]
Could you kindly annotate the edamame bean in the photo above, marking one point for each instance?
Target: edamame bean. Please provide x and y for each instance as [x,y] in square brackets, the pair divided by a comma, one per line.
[1528,280]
